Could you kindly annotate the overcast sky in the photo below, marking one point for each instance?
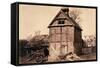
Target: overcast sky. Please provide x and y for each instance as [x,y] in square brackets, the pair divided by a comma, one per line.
[33,18]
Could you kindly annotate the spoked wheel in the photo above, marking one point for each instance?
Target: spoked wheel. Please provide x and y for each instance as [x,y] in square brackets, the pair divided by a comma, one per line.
[39,58]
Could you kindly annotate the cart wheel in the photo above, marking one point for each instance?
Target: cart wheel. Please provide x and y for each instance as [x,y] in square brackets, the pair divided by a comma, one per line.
[39,59]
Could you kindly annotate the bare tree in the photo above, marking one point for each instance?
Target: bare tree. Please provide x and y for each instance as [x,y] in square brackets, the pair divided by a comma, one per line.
[74,14]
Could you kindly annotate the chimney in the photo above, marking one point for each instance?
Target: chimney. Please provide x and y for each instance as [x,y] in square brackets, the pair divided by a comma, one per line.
[65,10]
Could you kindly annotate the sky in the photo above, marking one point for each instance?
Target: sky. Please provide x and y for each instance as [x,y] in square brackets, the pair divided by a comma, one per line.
[36,18]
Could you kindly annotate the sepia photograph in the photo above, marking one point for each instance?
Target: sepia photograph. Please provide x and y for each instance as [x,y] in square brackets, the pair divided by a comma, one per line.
[50,34]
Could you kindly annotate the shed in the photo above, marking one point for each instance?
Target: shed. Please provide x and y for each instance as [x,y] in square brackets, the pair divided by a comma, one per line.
[65,35]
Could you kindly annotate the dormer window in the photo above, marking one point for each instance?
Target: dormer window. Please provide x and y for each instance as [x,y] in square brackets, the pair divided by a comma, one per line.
[61,22]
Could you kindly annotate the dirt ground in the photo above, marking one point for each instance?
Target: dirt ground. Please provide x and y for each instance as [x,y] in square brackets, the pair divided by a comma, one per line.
[24,60]
[88,57]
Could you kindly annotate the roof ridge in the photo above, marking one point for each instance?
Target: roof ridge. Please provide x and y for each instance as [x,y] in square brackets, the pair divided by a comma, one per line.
[68,17]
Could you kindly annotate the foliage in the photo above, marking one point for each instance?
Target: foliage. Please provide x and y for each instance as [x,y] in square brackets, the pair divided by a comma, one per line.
[22,50]
[74,14]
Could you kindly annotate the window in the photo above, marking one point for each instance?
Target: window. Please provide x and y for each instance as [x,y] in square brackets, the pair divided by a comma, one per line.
[61,22]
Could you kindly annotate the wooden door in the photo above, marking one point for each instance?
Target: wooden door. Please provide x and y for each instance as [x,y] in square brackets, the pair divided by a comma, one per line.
[63,42]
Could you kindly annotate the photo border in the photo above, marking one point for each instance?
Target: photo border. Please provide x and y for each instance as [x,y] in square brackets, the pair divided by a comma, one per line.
[46,4]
